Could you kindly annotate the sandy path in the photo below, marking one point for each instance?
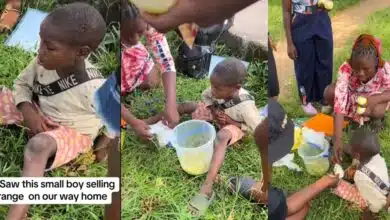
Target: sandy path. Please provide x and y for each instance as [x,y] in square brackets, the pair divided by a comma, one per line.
[344,25]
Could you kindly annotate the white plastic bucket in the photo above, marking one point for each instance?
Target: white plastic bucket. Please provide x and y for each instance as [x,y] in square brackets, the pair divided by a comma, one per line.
[315,157]
[194,144]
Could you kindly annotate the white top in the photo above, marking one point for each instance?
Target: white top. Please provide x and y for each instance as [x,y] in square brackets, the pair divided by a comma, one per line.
[374,197]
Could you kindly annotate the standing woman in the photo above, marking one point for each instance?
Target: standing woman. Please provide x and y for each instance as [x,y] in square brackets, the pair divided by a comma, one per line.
[310,44]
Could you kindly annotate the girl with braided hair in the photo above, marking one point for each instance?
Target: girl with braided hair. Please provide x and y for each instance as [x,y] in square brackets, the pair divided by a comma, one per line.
[367,75]
[139,69]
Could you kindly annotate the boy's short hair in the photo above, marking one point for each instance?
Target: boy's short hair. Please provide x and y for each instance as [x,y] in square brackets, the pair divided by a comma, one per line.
[231,72]
[80,24]
[367,142]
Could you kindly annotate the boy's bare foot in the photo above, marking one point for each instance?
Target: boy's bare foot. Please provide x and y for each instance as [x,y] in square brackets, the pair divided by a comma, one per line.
[330,180]
[101,155]
[257,194]
[101,148]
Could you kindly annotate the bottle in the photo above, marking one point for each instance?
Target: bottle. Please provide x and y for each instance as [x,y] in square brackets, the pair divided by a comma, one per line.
[303,94]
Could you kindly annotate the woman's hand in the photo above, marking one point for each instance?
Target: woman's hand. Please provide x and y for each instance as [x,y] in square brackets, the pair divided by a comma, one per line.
[337,154]
[141,129]
[292,51]
[201,12]
[171,116]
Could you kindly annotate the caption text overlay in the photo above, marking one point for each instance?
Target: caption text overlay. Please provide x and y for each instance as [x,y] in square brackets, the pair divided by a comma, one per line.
[53,190]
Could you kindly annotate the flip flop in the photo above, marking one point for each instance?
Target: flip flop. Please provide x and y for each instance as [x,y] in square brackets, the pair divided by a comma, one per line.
[199,204]
[243,185]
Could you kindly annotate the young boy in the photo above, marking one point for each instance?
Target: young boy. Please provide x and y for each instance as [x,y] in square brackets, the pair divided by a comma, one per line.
[233,110]
[371,178]
[54,94]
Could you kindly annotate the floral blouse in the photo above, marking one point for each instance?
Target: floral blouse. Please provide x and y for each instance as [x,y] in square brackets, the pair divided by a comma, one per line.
[137,62]
[349,87]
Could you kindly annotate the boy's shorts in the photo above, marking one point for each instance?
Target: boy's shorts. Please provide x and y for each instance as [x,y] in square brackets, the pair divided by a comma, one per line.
[203,113]
[277,204]
[70,143]
[350,192]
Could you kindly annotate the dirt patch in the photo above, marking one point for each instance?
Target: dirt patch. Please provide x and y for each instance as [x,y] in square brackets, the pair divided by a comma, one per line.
[344,25]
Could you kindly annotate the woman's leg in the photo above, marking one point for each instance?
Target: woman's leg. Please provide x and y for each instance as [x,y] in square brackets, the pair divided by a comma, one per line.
[273,82]
[301,214]
[329,94]
[182,108]
[323,56]
[300,200]
[36,155]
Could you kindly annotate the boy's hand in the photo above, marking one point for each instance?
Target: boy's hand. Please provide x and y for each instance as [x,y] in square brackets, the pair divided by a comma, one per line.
[223,119]
[141,129]
[32,120]
[49,123]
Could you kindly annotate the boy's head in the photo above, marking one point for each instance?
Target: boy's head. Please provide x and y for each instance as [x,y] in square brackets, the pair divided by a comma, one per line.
[365,58]
[69,34]
[364,144]
[132,25]
[227,78]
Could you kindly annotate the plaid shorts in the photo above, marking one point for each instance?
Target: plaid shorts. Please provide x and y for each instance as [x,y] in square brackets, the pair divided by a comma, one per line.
[350,192]
[70,143]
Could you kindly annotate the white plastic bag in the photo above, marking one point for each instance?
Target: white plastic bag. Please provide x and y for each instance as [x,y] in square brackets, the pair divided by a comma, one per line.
[164,134]
[288,161]
[311,136]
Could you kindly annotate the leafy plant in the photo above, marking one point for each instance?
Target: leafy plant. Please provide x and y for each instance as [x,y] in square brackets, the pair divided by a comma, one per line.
[258,81]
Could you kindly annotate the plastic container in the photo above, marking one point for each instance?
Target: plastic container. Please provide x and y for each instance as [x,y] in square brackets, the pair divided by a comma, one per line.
[154,6]
[194,144]
[315,157]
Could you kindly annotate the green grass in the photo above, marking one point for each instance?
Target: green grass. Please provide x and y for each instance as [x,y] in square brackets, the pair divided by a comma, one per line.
[275,16]
[12,141]
[328,206]
[153,184]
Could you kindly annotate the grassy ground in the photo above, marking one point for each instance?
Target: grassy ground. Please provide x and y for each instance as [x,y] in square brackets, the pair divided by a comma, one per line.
[328,206]
[275,25]
[155,186]
[12,141]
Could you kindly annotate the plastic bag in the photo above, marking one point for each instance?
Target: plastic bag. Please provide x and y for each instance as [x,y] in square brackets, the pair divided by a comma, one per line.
[163,133]
[298,139]
[311,136]
[288,161]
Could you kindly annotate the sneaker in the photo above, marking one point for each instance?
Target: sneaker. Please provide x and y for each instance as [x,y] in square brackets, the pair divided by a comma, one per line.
[326,109]
[309,109]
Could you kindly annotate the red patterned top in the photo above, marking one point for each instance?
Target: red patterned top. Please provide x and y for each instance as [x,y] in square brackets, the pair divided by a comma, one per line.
[137,62]
[349,87]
